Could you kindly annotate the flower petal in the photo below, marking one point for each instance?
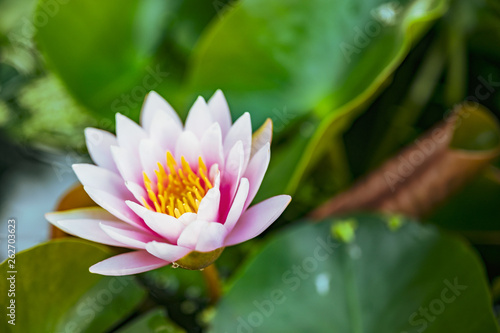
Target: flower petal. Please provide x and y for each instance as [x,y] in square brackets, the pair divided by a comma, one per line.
[128,263]
[240,131]
[199,118]
[238,205]
[211,146]
[164,225]
[137,191]
[85,222]
[102,179]
[262,136]
[98,145]
[257,219]
[167,251]
[128,237]
[256,171]
[220,111]
[151,154]
[211,238]
[188,146]
[165,131]
[115,206]
[129,166]
[154,104]
[129,134]
[208,209]
[190,235]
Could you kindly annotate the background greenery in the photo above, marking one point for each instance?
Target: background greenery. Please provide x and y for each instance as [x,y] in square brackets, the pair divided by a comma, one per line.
[347,84]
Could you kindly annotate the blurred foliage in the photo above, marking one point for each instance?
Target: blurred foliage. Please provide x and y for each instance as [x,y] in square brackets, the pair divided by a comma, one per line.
[347,84]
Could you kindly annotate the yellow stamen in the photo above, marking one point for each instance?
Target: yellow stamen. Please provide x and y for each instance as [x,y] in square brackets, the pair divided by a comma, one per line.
[178,190]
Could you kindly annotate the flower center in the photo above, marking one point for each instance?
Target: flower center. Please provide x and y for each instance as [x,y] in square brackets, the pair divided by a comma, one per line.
[179,189]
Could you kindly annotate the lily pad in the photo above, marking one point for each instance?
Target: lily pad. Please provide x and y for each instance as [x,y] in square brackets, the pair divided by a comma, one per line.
[408,278]
[55,292]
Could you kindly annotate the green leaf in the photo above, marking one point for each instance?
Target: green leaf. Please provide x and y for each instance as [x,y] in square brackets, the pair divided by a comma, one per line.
[154,321]
[55,292]
[324,56]
[104,51]
[406,279]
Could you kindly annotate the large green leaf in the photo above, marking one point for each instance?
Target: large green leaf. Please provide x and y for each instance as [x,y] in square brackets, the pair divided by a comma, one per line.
[104,51]
[390,277]
[55,292]
[306,55]
[285,58]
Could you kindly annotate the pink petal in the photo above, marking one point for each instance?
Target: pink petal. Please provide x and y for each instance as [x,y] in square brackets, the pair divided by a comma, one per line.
[238,205]
[129,238]
[240,131]
[115,206]
[150,154]
[199,118]
[128,164]
[233,168]
[129,134]
[188,146]
[220,111]
[164,225]
[137,191]
[167,251]
[262,136]
[165,131]
[85,223]
[98,145]
[154,105]
[128,263]
[256,170]
[102,179]
[211,146]
[257,219]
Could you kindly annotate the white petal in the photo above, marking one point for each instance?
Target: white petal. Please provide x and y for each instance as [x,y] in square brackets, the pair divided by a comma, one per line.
[257,219]
[191,233]
[128,263]
[129,134]
[154,104]
[220,111]
[165,131]
[151,154]
[188,146]
[102,179]
[115,206]
[137,191]
[211,238]
[98,145]
[211,146]
[130,238]
[208,209]
[199,118]
[164,225]
[240,131]
[167,251]
[129,165]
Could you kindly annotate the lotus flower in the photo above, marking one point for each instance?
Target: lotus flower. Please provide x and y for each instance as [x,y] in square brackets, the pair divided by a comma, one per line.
[173,194]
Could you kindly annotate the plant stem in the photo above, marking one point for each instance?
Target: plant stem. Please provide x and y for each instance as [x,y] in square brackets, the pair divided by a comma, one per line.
[211,276]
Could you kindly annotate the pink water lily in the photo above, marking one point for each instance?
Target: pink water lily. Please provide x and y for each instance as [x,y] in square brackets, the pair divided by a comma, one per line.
[173,193]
